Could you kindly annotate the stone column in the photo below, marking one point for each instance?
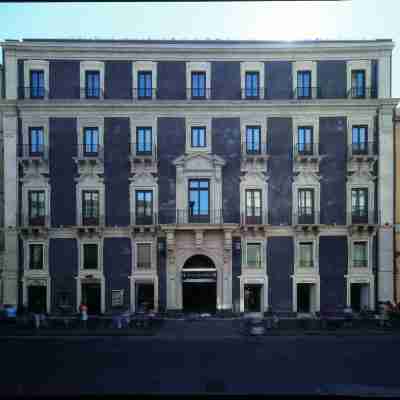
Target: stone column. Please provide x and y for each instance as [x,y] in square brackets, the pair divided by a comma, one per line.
[227,275]
[171,272]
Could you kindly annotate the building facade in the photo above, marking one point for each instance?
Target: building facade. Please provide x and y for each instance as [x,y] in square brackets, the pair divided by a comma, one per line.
[198,175]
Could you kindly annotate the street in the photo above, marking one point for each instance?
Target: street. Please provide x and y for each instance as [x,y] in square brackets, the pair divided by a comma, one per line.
[117,365]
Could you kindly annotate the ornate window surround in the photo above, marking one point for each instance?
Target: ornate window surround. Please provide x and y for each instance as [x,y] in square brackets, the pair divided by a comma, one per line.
[246,121]
[153,256]
[258,181]
[138,66]
[250,66]
[306,271]
[142,181]
[44,280]
[254,271]
[89,66]
[45,249]
[96,272]
[37,65]
[312,279]
[304,181]
[86,122]
[360,270]
[359,182]
[302,66]
[198,121]
[195,66]
[298,122]
[35,183]
[143,121]
[355,65]
[257,280]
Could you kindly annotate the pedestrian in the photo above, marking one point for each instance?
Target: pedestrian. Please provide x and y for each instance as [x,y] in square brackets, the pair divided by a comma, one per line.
[83,309]
[37,311]
[387,312]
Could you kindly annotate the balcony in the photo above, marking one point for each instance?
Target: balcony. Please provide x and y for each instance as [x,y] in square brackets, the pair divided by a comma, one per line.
[306,264]
[188,216]
[98,220]
[89,154]
[306,216]
[35,154]
[251,93]
[198,93]
[91,93]
[33,92]
[145,93]
[307,152]
[305,93]
[361,92]
[255,152]
[144,220]
[363,151]
[363,217]
[260,217]
[360,264]
[34,225]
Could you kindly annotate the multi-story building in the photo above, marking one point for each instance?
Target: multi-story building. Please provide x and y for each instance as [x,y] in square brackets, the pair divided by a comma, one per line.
[212,175]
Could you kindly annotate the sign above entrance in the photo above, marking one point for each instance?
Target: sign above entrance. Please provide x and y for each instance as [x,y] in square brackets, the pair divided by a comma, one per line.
[199,274]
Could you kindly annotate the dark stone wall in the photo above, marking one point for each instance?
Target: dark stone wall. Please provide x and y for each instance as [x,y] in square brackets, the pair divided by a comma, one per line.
[117,263]
[62,171]
[332,268]
[225,80]
[279,269]
[226,143]
[63,267]
[21,83]
[331,79]
[162,274]
[278,80]
[170,145]
[116,171]
[333,139]
[236,272]
[280,145]
[118,80]
[171,80]
[64,79]
[374,79]
[20,273]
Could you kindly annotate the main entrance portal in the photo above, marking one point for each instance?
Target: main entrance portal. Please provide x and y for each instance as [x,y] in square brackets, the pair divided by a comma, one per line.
[199,285]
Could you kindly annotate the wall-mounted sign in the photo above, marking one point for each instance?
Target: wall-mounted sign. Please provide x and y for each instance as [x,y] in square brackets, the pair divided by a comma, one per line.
[195,275]
[117,298]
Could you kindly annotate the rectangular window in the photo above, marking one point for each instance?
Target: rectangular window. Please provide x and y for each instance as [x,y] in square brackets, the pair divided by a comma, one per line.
[92,84]
[253,206]
[198,136]
[144,207]
[360,139]
[37,84]
[253,139]
[306,254]
[90,207]
[358,83]
[198,85]
[35,256]
[144,141]
[36,141]
[304,84]
[199,200]
[37,207]
[90,256]
[254,255]
[359,205]
[144,255]
[117,298]
[145,85]
[305,140]
[252,85]
[90,141]
[360,254]
[306,206]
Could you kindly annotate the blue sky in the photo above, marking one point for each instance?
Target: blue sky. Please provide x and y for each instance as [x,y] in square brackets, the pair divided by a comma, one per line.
[356,19]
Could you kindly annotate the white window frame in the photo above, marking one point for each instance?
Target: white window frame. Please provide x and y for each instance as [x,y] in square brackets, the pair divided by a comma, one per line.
[143,279]
[360,270]
[99,270]
[310,279]
[305,66]
[252,270]
[298,270]
[45,280]
[89,184]
[45,251]
[35,185]
[370,186]
[139,122]
[306,121]
[153,257]
[133,187]
[254,280]
[193,122]
[194,66]
[257,121]
[91,66]
[252,66]
[356,121]
[357,65]
[317,198]
[35,122]
[251,182]
[138,66]
[89,122]
[36,65]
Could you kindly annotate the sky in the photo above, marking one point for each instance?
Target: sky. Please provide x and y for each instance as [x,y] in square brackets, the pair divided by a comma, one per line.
[300,20]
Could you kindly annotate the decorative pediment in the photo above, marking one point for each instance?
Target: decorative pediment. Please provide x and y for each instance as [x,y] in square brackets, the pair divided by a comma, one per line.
[143,178]
[254,177]
[306,178]
[199,162]
[34,178]
[360,176]
[89,179]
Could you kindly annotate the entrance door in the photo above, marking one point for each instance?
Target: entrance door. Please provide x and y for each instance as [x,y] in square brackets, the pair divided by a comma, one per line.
[144,296]
[37,298]
[91,296]
[355,296]
[199,296]
[304,297]
[252,298]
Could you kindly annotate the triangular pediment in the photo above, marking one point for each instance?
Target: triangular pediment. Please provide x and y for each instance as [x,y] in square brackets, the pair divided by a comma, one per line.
[199,161]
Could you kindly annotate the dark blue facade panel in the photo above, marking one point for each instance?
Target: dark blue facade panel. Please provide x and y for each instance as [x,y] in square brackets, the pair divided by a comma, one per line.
[332,136]
[332,268]
[374,79]
[118,80]
[236,272]
[62,149]
[162,274]
[63,268]
[225,80]
[20,272]
[21,83]
[170,145]
[116,171]
[280,147]
[331,79]
[171,80]
[280,261]
[117,263]
[278,80]
[226,144]
[64,79]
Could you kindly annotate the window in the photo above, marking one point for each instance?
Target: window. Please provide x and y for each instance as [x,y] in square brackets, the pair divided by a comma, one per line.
[35,256]
[359,205]
[359,139]
[306,254]
[90,207]
[144,141]
[36,207]
[145,86]
[358,83]
[198,85]
[37,84]
[305,140]
[92,84]
[36,141]
[304,84]
[253,140]
[144,207]
[253,206]
[360,254]
[144,255]
[252,85]
[198,137]
[90,256]
[306,206]
[90,141]
[254,255]
[199,200]
[117,298]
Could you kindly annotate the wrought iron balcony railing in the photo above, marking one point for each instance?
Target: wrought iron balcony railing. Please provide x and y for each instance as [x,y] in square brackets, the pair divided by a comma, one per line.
[96,220]
[363,217]
[251,93]
[306,264]
[306,149]
[145,93]
[90,151]
[141,219]
[33,151]
[305,92]
[306,216]
[363,149]
[360,263]
[92,93]
[361,92]
[259,217]
[188,216]
[254,149]
[198,93]
[33,92]
[26,220]
[142,150]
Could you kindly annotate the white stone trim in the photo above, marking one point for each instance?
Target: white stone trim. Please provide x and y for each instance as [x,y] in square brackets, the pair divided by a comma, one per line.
[359,182]
[89,122]
[359,64]
[143,121]
[35,122]
[299,271]
[306,120]
[255,280]
[364,279]
[307,181]
[254,180]
[198,66]
[315,304]
[138,66]
[91,66]
[360,271]
[36,65]
[263,249]
[198,121]
[253,120]
[95,272]
[80,279]
[384,77]
[11,74]
[360,120]
[45,251]
[250,66]
[34,184]
[142,181]
[36,281]
[153,256]
[305,66]
[146,279]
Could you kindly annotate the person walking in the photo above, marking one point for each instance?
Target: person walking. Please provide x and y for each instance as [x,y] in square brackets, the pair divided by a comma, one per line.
[83,309]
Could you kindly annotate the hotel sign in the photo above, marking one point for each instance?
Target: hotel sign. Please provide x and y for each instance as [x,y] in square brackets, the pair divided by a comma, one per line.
[199,275]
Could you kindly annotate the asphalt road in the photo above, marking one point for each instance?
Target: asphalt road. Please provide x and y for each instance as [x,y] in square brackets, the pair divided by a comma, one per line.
[121,365]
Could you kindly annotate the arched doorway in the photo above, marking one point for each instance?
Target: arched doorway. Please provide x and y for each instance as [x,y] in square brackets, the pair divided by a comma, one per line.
[199,285]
